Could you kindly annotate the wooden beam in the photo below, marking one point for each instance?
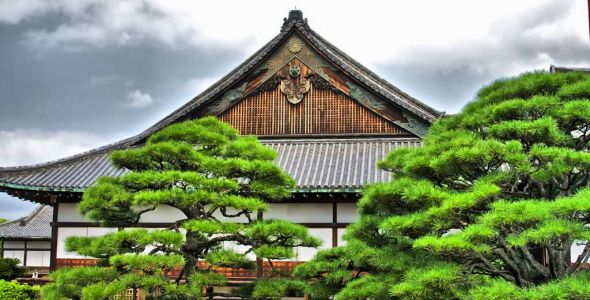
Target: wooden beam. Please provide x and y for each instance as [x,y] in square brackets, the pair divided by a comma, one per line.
[334,221]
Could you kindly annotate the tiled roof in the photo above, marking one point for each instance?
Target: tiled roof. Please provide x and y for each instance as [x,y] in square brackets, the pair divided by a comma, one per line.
[36,226]
[558,69]
[336,164]
[316,164]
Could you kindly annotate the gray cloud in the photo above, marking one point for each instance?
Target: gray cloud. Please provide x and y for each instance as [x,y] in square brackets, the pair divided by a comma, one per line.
[91,24]
[12,208]
[32,146]
[138,99]
[448,77]
[13,12]
[57,90]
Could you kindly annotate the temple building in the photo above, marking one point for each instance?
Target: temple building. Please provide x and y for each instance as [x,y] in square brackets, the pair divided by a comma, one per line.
[329,118]
[28,239]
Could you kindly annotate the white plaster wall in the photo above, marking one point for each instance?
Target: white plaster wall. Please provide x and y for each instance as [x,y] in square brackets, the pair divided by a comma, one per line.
[65,232]
[576,250]
[341,241]
[300,212]
[347,212]
[38,258]
[162,214]
[324,234]
[68,212]
[301,253]
[239,248]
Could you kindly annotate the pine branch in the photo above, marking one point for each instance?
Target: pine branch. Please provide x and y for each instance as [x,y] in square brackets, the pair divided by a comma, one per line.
[540,268]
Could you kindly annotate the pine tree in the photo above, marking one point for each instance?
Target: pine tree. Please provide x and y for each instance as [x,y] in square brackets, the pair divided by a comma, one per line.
[488,209]
[219,180]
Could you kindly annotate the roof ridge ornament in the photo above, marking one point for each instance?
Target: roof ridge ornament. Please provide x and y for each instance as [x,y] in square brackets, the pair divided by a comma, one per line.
[295,17]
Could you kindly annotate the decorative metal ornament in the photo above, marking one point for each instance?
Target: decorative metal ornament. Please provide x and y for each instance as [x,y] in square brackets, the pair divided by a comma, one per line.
[295,87]
[294,70]
[295,45]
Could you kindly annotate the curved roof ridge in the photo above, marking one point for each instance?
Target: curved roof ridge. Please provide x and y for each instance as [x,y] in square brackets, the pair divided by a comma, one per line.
[24,219]
[378,79]
[8,223]
[34,214]
[34,226]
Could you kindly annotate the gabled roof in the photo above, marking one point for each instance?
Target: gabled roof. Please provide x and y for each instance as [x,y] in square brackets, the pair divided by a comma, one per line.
[36,226]
[78,171]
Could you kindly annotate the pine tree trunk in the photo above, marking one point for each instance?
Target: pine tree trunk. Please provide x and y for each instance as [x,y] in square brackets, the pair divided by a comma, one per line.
[190,249]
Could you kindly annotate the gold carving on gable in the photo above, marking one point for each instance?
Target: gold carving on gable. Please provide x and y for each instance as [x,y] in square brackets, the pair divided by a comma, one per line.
[295,45]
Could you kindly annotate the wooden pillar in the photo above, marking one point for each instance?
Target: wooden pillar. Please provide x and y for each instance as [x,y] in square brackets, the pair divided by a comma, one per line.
[54,230]
[334,224]
[25,255]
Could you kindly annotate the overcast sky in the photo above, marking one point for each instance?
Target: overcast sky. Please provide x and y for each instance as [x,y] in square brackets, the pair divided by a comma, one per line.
[76,74]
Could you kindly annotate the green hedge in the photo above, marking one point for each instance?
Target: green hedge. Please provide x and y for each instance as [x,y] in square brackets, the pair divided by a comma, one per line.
[10,290]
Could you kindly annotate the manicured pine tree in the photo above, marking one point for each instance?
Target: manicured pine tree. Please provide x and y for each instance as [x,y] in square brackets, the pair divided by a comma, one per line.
[219,180]
[488,209]
[11,268]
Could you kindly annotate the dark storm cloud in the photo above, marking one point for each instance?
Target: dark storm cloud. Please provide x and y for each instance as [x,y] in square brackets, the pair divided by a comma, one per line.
[88,90]
[448,78]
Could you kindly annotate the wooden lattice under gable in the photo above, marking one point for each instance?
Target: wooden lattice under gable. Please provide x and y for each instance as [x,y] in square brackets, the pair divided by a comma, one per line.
[321,112]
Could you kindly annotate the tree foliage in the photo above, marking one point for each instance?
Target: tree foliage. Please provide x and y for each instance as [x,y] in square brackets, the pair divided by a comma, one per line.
[491,205]
[219,180]
[10,269]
